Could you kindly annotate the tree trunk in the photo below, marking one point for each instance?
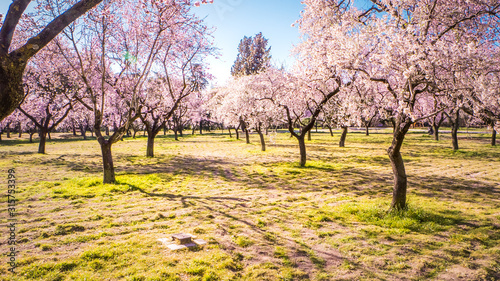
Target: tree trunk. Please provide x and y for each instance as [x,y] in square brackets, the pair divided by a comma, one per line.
[151,145]
[11,85]
[43,140]
[107,161]
[31,136]
[367,128]
[454,135]
[343,137]
[262,141]
[230,135]
[20,129]
[494,138]
[175,135]
[194,128]
[394,151]
[83,131]
[247,135]
[400,178]
[201,127]
[181,134]
[302,147]
[50,138]
[435,131]
[331,131]
[107,131]
[7,130]
[74,130]
[135,132]
[309,135]
[237,134]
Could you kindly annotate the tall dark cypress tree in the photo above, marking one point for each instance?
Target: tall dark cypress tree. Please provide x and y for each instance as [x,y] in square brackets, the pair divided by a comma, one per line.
[253,56]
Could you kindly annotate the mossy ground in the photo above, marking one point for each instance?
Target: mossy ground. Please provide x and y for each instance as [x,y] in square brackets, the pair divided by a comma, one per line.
[265,218]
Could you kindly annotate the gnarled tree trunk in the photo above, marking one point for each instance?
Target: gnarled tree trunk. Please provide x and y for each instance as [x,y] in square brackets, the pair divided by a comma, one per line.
[343,137]
[107,162]
[302,148]
[494,138]
[398,168]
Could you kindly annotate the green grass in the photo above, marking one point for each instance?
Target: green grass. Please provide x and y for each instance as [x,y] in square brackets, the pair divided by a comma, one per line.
[263,216]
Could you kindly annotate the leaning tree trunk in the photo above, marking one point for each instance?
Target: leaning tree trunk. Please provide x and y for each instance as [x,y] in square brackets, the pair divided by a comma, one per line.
[367,128]
[262,141]
[343,137]
[43,140]
[454,135]
[107,161]
[230,135]
[435,131]
[302,147]
[397,164]
[11,84]
[494,137]
[331,131]
[247,135]
[48,134]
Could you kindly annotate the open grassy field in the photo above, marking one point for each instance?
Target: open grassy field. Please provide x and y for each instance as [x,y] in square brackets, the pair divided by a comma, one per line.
[265,218]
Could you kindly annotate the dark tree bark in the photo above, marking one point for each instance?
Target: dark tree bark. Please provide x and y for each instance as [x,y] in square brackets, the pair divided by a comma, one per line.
[237,133]
[302,149]
[175,134]
[247,136]
[262,140]
[402,125]
[107,162]
[494,138]
[7,130]
[454,118]
[43,140]
[367,130]
[13,64]
[309,135]
[48,134]
[20,129]
[343,137]
[107,131]
[230,134]
[331,131]
[73,127]
[83,131]
[201,127]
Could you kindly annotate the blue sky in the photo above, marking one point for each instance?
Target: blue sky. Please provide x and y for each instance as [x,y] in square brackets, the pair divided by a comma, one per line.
[234,19]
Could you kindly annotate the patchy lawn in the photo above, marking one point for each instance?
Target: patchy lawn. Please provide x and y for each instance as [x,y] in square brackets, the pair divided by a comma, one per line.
[264,217]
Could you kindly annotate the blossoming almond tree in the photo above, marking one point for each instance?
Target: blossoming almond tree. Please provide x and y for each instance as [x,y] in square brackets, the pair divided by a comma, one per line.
[114,56]
[399,44]
[13,59]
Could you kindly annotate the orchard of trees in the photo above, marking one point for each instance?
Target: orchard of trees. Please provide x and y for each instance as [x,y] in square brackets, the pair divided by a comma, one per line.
[108,69]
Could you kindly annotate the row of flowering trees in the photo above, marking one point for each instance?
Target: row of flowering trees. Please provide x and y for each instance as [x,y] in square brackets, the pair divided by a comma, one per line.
[407,61]
[113,66]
